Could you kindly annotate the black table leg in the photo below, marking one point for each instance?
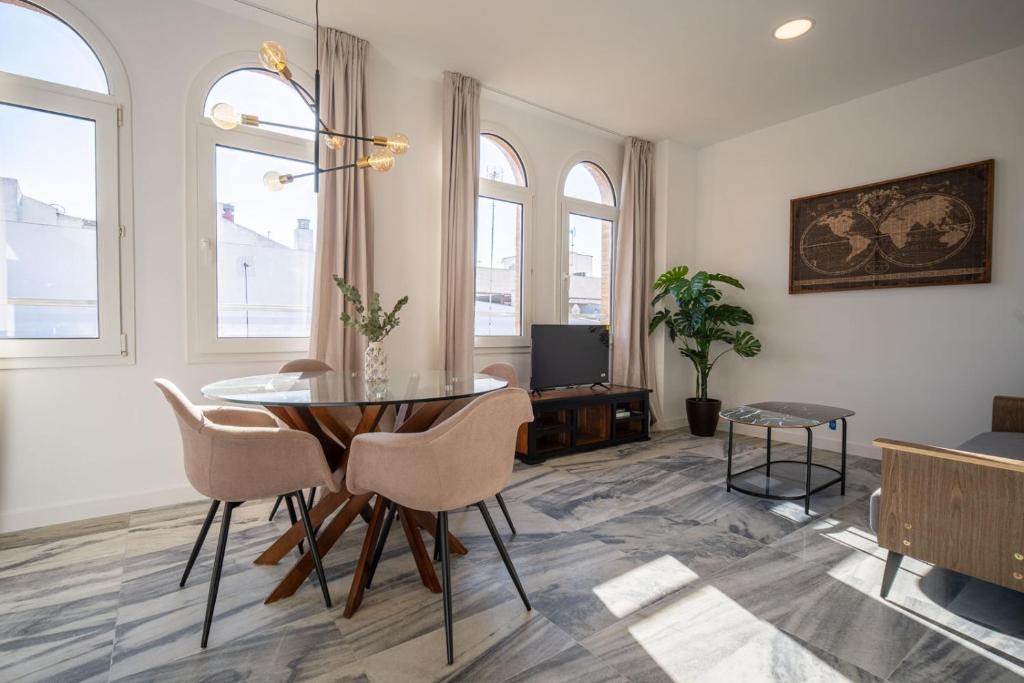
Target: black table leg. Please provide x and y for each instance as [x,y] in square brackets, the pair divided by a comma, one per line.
[768,464]
[842,467]
[807,495]
[728,462]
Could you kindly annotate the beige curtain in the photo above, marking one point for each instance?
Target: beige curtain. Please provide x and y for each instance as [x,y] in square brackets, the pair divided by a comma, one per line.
[632,362]
[460,180]
[345,226]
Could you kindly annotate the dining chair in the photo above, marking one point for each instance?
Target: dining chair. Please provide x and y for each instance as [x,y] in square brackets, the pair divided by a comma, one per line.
[506,372]
[233,455]
[461,461]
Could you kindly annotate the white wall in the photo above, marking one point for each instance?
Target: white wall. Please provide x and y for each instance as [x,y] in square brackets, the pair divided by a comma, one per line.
[82,442]
[548,143]
[917,363]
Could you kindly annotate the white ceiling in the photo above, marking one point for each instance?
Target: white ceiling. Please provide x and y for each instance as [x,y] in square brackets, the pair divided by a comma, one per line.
[696,71]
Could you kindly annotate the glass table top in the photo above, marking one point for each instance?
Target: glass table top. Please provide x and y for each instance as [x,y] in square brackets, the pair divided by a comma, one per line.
[346,388]
[784,414]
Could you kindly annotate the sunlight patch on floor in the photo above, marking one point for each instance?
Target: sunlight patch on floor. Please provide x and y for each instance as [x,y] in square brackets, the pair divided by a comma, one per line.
[639,587]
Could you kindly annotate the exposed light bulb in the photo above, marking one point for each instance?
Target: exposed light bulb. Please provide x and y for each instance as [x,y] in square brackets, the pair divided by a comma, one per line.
[274,181]
[382,160]
[334,142]
[274,58]
[398,143]
[224,116]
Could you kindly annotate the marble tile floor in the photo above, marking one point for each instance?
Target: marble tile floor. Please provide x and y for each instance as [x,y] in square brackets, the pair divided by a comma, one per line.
[639,564]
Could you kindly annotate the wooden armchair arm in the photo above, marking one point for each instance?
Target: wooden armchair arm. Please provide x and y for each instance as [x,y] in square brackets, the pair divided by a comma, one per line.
[948,454]
[1008,414]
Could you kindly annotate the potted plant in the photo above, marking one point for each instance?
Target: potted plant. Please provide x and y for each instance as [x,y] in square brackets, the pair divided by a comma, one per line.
[698,320]
[374,324]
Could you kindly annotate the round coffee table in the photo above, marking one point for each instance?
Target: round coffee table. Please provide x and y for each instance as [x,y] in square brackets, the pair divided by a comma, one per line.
[785,484]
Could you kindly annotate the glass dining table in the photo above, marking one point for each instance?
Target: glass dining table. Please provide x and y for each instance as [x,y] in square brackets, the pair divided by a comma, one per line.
[335,407]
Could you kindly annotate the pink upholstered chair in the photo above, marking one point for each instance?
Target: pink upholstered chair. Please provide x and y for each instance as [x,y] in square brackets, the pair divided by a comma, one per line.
[461,461]
[506,372]
[233,455]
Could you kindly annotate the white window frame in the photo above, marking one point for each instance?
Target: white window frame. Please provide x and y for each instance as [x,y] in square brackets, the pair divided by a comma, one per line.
[523,196]
[201,242]
[114,235]
[571,205]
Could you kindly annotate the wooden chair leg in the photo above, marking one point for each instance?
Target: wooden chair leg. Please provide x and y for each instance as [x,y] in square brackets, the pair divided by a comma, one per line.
[218,564]
[446,584]
[504,554]
[214,504]
[504,510]
[311,537]
[892,567]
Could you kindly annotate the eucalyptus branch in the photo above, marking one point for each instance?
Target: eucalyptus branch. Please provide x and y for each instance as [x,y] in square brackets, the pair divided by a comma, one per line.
[375,324]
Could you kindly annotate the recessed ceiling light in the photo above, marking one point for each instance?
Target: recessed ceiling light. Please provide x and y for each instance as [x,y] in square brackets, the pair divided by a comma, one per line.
[794,29]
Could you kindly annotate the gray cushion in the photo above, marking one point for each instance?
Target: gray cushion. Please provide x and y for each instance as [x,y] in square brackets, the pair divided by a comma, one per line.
[1002,444]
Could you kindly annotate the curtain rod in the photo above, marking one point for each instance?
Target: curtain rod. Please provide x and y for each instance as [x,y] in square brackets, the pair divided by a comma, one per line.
[496,91]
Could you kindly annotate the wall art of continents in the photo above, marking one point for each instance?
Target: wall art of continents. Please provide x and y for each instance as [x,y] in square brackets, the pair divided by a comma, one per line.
[927,229]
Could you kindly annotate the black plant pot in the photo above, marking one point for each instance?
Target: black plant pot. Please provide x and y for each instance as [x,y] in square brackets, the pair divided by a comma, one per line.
[703,415]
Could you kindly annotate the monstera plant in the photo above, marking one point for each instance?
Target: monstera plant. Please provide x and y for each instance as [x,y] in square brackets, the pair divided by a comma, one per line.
[692,311]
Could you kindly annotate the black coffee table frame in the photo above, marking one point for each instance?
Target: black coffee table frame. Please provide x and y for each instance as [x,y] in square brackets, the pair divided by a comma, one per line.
[767,467]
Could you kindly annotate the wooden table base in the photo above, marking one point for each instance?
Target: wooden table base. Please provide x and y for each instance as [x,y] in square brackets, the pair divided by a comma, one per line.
[336,443]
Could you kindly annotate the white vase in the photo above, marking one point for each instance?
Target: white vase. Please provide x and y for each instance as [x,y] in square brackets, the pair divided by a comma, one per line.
[375,368]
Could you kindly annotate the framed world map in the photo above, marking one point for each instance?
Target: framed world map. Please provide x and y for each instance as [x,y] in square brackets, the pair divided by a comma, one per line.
[928,229]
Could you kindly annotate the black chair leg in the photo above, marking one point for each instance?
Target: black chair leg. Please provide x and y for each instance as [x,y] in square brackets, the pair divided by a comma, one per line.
[892,567]
[312,498]
[214,504]
[295,520]
[437,539]
[446,585]
[379,550]
[273,511]
[504,510]
[218,563]
[504,553]
[313,549]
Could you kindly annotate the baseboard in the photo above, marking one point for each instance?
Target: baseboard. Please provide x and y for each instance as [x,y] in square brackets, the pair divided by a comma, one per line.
[29,518]
[665,425]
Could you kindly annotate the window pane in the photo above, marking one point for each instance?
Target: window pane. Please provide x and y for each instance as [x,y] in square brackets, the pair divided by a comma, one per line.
[39,45]
[589,182]
[499,161]
[258,92]
[48,287]
[265,247]
[499,272]
[590,241]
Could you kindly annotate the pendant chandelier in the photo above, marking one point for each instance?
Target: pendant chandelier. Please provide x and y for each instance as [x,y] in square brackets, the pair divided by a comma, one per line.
[274,58]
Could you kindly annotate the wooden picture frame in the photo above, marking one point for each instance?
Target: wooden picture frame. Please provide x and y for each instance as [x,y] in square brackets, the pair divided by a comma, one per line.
[931,228]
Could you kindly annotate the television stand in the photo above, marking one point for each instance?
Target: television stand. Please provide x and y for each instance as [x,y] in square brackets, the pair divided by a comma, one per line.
[581,419]
[599,384]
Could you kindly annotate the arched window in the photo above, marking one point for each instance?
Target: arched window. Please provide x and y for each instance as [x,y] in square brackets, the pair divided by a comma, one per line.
[60,204]
[588,223]
[502,207]
[254,252]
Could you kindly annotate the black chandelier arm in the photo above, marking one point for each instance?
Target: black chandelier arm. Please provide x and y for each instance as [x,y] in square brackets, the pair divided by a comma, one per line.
[324,170]
[307,98]
[326,130]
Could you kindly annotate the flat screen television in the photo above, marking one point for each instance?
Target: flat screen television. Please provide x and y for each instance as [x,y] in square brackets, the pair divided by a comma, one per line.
[568,355]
